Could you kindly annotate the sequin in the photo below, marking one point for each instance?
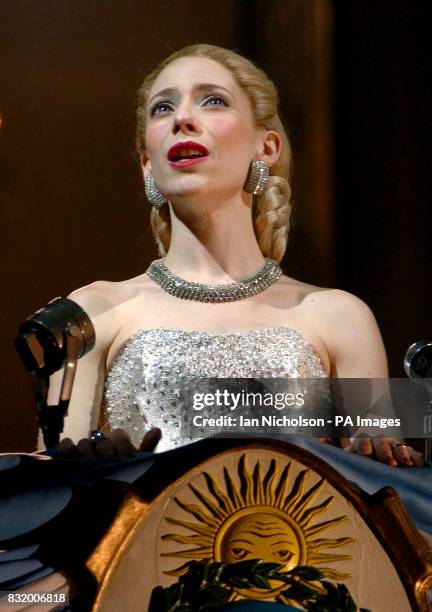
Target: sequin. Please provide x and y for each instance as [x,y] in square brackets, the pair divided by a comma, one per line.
[146,376]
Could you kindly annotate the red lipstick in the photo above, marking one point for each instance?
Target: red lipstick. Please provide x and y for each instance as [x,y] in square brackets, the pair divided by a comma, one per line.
[187,153]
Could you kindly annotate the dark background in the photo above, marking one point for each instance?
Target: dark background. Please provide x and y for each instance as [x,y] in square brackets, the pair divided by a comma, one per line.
[354,80]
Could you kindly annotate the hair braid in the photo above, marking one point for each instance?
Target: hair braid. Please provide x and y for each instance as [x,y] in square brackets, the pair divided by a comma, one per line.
[161,226]
[272,218]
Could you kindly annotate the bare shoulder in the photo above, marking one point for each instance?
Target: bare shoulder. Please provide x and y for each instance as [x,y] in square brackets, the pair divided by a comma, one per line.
[108,303]
[323,304]
[339,312]
[96,297]
[103,295]
[338,317]
[336,302]
[350,332]
[102,301]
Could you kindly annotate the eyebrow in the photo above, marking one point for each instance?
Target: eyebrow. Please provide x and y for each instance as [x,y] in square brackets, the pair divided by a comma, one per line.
[169,91]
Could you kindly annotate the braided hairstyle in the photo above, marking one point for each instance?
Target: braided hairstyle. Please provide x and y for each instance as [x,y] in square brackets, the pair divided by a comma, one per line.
[272,210]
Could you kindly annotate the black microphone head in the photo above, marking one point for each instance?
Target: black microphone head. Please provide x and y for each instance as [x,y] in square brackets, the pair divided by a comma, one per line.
[418,360]
[41,338]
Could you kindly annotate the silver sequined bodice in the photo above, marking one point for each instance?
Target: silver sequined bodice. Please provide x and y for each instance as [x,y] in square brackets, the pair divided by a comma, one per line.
[143,387]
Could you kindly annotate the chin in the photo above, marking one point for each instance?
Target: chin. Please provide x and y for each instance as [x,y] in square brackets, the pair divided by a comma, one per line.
[188,187]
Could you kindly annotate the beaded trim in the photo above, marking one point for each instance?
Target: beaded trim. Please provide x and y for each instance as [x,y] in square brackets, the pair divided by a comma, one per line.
[186,290]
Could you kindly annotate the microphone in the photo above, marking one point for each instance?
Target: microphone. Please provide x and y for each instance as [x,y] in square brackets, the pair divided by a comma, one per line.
[56,335]
[418,360]
[418,366]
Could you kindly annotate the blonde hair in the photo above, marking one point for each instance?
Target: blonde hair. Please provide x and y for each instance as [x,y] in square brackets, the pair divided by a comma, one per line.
[272,211]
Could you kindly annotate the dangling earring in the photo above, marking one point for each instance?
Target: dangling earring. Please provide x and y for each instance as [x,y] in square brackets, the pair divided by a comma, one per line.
[257,178]
[153,194]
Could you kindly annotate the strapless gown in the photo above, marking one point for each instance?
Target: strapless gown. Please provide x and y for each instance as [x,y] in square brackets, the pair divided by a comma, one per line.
[144,385]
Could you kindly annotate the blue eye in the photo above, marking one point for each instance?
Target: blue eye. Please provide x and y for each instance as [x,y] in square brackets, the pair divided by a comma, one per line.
[215,101]
[160,108]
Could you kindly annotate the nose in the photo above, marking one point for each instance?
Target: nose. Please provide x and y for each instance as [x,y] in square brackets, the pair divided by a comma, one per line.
[185,120]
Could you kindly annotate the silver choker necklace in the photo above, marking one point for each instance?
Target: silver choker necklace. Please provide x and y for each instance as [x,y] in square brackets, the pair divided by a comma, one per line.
[199,292]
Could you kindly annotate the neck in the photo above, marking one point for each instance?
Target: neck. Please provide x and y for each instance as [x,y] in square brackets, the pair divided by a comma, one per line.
[215,245]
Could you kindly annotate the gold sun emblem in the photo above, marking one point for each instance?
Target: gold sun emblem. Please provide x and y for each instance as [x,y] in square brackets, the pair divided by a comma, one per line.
[266,518]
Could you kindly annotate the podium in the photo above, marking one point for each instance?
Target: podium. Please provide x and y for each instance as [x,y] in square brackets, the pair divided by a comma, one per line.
[264,502]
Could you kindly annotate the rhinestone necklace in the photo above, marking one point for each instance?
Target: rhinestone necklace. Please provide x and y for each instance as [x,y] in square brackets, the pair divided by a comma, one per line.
[186,290]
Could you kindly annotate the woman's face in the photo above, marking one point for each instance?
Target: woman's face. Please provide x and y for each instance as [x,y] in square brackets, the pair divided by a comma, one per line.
[200,135]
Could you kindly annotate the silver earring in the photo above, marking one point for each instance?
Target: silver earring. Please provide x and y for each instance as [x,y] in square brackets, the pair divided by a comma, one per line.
[153,194]
[257,178]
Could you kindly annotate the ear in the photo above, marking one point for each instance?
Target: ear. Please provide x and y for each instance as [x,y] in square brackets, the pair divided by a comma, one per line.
[145,165]
[270,147]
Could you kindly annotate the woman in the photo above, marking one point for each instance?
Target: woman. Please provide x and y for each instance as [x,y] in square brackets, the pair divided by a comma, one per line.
[205,116]
[208,132]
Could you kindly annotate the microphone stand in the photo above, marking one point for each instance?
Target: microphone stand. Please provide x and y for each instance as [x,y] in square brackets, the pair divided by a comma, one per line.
[51,418]
[418,367]
[56,336]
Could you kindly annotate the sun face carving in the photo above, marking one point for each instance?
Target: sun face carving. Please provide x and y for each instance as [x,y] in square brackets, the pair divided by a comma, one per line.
[270,517]
[261,535]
